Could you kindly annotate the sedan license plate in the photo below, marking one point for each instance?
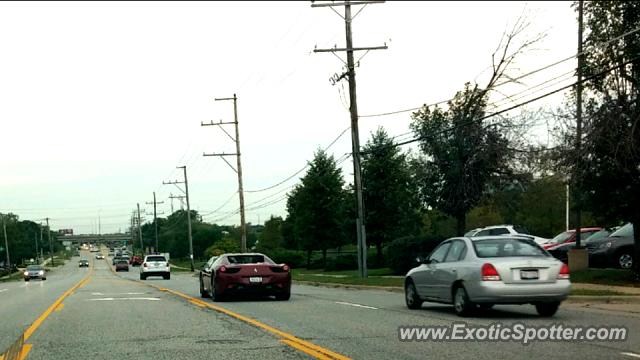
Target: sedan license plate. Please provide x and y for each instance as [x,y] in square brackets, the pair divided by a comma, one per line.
[529,274]
[255,279]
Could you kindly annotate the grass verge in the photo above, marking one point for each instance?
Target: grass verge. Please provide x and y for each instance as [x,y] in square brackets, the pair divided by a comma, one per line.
[13,277]
[347,277]
[617,277]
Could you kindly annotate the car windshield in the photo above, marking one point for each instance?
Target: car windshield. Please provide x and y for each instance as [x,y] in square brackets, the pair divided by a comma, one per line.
[562,237]
[598,235]
[625,231]
[492,248]
[34,267]
[470,233]
[156,258]
[248,259]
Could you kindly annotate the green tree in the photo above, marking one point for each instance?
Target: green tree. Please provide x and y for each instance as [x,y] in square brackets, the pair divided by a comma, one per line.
[461,154]
[316,207]
[606,171]
[271,237]
[391,207]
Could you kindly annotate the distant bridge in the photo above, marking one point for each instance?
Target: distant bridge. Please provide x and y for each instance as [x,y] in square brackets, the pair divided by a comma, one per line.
[95,238]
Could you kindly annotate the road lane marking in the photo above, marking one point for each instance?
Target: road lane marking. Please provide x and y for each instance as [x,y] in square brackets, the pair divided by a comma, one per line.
[311,349]
[127,293]
[25,351]
[125,298]
[631,354]
[356,305]
[3,290]
[59,307]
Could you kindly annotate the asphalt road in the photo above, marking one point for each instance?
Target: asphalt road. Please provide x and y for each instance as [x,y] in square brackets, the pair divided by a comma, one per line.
[117,316]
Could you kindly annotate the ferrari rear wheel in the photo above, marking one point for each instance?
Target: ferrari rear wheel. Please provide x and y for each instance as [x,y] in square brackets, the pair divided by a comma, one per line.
[215,294]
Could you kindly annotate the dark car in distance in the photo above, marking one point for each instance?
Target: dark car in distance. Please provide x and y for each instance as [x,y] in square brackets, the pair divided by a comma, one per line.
[122,265]
[561,252]
[615,250]
[83,263]
[247,273]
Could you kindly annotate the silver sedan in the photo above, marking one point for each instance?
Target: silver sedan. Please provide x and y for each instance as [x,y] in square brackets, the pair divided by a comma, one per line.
[479,272]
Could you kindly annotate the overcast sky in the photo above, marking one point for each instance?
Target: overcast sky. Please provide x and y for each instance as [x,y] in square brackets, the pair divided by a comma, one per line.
[99,102]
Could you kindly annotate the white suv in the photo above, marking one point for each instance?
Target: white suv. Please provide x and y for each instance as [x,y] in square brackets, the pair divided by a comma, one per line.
[155,265]
[508,230]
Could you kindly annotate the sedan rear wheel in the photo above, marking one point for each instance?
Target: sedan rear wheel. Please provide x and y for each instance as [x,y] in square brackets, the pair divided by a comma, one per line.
[461,303]
[625,260]
[411,296]
[283,296]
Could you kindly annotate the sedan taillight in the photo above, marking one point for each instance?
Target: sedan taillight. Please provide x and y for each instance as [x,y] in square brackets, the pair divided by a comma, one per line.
[489,273]
[564,272]
[144,264]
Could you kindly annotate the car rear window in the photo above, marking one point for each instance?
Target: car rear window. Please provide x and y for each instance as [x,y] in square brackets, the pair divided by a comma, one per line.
[492,248]
[248,259]
[156,258]
[122,262]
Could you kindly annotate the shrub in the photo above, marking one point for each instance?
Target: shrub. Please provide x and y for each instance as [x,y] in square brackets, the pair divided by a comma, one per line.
[293,258]
[342,262]
[402,252]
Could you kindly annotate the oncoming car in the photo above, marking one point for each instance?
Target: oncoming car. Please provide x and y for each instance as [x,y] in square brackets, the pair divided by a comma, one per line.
[480,272]
[245,273]
[34,272]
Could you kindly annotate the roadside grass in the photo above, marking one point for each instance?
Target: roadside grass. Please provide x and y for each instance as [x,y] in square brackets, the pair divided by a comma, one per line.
[592,292]
[617,277]
[13,277]
[186,263]
[347,277]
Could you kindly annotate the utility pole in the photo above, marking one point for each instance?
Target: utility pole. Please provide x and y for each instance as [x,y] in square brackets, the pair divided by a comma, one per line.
[179,197]
[353,109]
[579,125]
[6,242]
[186,192]
[35,240]
[50,243]
[238,170]
[41,251]
[155,222]
[140,230]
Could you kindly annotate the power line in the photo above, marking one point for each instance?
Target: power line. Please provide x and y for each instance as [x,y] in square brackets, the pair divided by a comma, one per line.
[518,105]
[516,79]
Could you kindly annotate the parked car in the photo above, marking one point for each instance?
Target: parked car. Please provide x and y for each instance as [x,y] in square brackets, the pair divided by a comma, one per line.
[570,237]
[508,230]
[122,265]
[561,252]
[35,272]
[155,265]
[615,250]
[135,261]
[484,271]
[83,263]
[256,273]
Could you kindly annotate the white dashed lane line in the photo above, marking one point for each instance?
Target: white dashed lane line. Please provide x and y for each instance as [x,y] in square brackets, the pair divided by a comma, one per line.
[356,305]
[3,290]
[631,354]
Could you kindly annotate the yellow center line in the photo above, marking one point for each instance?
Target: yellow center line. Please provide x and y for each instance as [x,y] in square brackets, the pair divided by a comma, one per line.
[307,347]
[59,307]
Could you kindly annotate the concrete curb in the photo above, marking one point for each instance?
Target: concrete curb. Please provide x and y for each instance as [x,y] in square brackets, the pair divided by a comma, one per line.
[573,299]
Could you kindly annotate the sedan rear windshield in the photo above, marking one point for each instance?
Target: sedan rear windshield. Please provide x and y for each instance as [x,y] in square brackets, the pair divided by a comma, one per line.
[156,258]
[493,248]
[248,259]
[122,262]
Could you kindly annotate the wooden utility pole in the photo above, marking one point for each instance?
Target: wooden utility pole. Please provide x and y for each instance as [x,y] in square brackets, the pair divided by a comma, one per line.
[6,243]
[238,169]
[140,230]
[353,109]
[50,243]
[186,192]
[155,218]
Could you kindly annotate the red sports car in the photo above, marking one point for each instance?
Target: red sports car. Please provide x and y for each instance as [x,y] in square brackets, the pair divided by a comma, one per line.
[250,273]
[570,237]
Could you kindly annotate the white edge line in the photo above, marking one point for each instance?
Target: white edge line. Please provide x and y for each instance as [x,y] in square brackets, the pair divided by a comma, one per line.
[631,354]
[356,305]
[3,290]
